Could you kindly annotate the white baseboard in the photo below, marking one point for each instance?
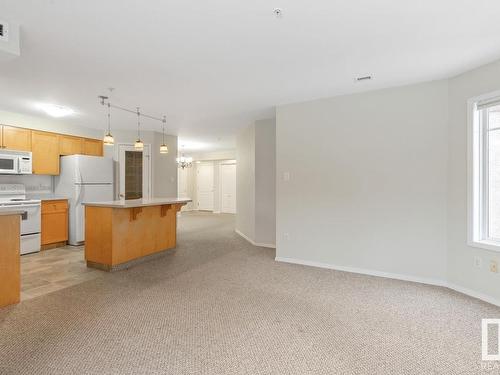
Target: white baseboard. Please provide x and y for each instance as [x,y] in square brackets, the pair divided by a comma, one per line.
[253,242]
[415,279]
[472,293]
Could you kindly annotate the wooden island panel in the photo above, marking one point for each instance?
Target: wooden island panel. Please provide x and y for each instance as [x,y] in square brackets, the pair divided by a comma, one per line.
[10,266]
[117,236]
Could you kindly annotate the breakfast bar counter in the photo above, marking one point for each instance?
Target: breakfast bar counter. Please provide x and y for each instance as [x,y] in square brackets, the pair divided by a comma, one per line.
[121,233]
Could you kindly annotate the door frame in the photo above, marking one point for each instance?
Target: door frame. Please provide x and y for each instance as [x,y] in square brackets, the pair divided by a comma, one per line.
[225,162]
[147,146]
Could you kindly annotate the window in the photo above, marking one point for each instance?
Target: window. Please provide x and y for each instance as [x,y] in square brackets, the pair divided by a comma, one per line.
[485,173]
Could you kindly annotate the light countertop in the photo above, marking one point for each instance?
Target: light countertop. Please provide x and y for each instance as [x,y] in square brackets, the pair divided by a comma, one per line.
[7,212]
[133,203]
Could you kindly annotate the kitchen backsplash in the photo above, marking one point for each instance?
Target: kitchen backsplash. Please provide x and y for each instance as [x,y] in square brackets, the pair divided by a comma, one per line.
[33,183]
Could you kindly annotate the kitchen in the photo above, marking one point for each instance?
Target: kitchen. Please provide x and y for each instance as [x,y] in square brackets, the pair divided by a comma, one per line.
[47,175]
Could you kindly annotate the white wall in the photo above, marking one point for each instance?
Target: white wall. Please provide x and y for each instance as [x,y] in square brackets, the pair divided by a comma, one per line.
[213,155]
[461,270]
[255,182]
[368,181]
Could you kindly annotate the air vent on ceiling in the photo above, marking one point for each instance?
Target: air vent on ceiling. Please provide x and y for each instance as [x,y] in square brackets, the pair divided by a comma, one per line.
[4,31]
[364,78]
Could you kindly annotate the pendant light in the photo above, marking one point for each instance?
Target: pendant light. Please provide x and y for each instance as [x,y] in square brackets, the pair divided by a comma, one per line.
[109,140]
[163,147]
[138,145]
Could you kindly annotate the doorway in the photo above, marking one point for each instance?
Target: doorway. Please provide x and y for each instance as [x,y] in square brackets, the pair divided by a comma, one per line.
[205,186]
[135,172]
[228,188]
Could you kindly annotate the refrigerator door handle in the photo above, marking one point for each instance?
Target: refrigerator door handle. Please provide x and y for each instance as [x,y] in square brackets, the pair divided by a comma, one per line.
[80,186]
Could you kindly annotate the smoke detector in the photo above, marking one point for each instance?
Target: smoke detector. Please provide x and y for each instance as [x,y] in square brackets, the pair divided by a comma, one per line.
[278,12]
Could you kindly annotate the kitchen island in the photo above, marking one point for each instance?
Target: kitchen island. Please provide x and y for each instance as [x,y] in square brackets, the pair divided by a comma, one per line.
[121,233]
[10,267]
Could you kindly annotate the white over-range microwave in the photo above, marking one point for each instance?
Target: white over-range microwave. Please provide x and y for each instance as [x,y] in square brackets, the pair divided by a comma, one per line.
[15,162]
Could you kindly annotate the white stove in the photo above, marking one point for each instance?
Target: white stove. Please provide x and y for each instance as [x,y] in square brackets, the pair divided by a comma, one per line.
[13,197]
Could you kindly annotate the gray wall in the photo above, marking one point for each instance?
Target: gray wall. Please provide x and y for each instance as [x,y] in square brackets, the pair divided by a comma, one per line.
[265,181]
[368,181]
[256,182]
[245,182]
[165,167]
[461,270]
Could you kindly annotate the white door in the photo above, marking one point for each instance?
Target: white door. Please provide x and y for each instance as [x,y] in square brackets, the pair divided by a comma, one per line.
[135,172]
[228,188]
[205,186]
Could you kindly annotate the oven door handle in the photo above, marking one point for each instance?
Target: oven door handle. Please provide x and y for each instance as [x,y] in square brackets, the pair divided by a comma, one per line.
[19,206]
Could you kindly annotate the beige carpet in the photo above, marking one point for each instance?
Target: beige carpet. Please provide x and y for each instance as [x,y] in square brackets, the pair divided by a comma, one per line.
[218,305]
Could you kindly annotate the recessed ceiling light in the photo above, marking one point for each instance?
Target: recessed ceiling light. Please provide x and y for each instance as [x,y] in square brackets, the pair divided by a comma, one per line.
[55,110]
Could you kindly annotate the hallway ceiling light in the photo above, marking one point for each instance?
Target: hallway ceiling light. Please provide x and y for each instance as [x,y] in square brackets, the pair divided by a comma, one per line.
[163,147]
[184,161]
[138,145]
[55,110]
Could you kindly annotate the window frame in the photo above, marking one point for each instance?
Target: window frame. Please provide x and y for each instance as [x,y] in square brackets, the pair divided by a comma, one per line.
[477,176]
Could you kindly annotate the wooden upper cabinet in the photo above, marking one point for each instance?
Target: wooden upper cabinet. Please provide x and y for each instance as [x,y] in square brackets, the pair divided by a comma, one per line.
[45,149]
[92,147]
[69,145]
[13,138]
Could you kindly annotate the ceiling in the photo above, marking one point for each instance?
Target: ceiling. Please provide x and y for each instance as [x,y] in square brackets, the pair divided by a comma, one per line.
[215,66]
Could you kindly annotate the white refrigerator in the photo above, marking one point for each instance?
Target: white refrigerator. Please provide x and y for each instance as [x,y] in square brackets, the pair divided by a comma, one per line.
[83,179]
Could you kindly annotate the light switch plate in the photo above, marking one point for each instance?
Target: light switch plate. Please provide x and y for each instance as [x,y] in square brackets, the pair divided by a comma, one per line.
[494,266]
[286,176]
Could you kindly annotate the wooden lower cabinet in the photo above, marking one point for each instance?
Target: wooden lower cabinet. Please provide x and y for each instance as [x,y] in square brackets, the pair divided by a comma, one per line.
[54,222]
[45,149]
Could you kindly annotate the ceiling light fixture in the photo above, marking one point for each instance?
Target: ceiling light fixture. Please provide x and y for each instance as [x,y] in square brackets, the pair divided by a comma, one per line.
[138,145]
[55,110]
[163,147]
[184,161]
[278,12]
[108,139]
